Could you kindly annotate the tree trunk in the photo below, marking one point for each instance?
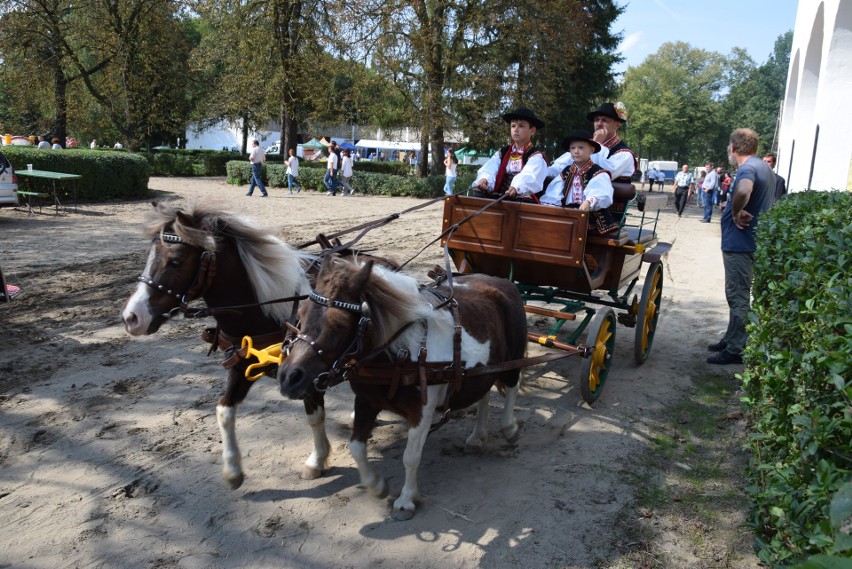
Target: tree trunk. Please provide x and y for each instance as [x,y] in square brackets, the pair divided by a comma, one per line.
[245,135]
[60,87]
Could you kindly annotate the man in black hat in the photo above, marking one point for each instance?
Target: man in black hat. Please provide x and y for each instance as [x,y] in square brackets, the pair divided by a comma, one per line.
[518,169]
[615,156]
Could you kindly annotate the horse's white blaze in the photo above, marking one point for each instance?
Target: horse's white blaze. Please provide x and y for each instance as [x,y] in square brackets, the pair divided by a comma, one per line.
[137,312]
[322,448]
[414,449]
[372,481]
[231,463]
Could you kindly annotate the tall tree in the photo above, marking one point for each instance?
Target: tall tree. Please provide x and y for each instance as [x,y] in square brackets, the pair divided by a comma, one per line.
[674,99]
[755,98]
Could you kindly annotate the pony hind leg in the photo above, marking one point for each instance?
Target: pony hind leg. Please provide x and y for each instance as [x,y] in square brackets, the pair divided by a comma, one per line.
[508,425]
[317,462]
[475,443]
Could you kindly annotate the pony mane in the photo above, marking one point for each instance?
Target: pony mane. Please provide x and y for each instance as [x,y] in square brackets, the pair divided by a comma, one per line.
[274,268]
[394,299]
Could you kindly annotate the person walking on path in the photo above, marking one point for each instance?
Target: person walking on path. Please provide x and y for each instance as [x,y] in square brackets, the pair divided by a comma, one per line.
[752,194]
[293,172]
[332,166]
[257,158]
[346,173]
[651,174]
[684,184]
[708,189]
[450,162]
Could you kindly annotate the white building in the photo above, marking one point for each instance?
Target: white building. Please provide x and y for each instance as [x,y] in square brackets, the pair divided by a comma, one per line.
[815,137]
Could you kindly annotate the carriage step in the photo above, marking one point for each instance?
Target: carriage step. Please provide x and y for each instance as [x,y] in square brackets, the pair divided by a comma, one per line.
[548,312]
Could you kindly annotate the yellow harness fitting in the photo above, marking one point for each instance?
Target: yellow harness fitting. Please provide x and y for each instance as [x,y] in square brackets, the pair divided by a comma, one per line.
[265,357]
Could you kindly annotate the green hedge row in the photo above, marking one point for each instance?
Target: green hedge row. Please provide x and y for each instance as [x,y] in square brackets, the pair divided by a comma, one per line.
[798,379]
[105,175]
[188,162]
[370,183]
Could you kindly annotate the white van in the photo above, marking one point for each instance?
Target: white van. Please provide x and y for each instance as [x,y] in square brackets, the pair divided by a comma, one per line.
[669,167]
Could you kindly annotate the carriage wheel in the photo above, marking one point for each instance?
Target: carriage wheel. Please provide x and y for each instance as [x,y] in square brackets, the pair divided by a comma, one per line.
[601,337]
[649,312]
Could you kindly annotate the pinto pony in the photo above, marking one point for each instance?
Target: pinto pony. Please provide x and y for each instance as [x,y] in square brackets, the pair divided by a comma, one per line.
[204,252]
[363,322]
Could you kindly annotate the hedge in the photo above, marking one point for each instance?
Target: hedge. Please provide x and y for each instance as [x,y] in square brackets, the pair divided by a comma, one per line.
[188,162]
[105,175]
[798,380]
[370,183]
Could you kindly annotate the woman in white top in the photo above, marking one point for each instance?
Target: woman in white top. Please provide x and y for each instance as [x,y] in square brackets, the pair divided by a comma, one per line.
[450,162]
[293,172]
[346,173]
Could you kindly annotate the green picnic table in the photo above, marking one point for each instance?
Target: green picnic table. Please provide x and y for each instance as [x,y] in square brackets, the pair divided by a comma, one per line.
[53,177]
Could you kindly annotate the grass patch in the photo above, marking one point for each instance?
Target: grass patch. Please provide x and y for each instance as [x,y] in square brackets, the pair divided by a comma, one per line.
[690,503]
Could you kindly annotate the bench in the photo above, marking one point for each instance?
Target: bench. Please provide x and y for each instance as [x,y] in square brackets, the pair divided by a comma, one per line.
[29,196]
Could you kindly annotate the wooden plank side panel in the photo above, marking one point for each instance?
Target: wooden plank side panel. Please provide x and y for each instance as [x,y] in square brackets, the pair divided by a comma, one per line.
[519,231]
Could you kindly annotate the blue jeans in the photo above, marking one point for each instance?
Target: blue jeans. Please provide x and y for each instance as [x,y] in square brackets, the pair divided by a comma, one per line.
[331,181]
[448,185]
[255,180]
[699,197]
[709,198]
[291,182]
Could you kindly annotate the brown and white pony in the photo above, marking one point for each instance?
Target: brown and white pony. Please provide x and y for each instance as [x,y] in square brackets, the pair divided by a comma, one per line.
[206,252]
[354,319]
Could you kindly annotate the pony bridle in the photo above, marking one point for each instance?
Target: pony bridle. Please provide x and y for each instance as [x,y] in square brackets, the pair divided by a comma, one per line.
[203,276]
[338,368]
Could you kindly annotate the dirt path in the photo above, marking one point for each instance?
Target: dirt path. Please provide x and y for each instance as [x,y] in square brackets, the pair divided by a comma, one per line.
[110,453]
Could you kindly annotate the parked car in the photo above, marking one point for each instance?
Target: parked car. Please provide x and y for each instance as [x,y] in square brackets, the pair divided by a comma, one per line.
[274,149]
[8,183]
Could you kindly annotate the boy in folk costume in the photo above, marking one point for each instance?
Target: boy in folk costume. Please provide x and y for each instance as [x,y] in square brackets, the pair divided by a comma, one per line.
[583,184]
[519,169]
[614,155]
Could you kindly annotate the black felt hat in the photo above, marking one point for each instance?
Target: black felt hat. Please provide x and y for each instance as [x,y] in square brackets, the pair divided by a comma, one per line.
[580,134]
[523,113]
[615,111]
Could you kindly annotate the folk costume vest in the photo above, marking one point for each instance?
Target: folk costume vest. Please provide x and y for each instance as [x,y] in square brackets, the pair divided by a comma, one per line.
[616,145]
[600,221]
[503,180]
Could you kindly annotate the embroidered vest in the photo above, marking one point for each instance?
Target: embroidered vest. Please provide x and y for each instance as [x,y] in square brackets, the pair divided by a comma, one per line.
[621,147]
[503,180]
[587,173]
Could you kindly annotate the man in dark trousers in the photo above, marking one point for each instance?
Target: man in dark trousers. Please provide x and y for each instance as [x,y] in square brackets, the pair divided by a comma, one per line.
[780,184]
[752,194]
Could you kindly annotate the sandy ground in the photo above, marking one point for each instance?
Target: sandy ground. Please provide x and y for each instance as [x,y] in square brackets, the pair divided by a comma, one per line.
[110,453]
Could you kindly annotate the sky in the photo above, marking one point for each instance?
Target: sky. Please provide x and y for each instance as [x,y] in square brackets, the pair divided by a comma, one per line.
[717,25]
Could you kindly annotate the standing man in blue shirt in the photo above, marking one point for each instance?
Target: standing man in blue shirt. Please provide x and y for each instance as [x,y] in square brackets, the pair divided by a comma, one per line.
[708,189]
[753,192]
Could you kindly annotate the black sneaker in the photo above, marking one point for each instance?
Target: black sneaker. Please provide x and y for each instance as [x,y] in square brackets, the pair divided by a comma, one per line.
[718,346]
[725,358]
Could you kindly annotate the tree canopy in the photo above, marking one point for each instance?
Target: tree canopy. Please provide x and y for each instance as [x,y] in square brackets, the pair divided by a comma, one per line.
[143,70]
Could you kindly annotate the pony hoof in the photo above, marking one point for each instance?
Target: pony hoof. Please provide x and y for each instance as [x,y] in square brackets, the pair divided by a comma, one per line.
[512,434]
[310,473]
[235,483]
[402,515]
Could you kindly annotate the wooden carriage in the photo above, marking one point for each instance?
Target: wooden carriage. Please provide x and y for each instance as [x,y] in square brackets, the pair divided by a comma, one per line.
[549,254]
